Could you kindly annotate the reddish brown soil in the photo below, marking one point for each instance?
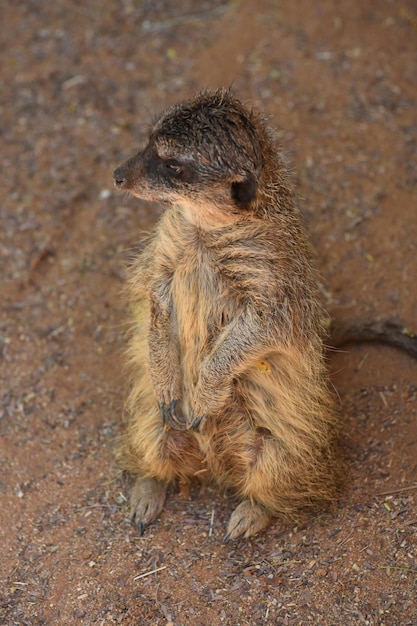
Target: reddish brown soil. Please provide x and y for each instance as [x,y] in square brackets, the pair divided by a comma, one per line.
[80,82]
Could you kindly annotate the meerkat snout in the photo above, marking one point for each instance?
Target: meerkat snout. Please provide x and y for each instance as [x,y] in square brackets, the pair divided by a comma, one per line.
[125,175]
[118,179]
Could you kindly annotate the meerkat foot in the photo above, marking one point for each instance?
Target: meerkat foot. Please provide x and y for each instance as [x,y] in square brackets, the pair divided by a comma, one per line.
[246,520]
[147,501]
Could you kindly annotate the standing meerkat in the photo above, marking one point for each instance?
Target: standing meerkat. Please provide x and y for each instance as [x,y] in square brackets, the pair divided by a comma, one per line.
[227,357]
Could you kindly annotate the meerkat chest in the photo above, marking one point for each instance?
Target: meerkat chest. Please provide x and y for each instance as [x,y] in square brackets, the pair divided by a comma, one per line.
[200,297]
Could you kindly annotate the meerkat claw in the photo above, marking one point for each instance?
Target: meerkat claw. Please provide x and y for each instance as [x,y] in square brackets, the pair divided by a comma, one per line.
[227,538]
[197,423]
[171,416]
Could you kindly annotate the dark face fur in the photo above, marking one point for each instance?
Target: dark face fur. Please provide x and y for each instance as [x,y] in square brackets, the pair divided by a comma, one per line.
[202,153]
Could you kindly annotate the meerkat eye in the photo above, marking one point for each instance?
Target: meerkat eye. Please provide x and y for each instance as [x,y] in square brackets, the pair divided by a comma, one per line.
[173,166]
[183,172]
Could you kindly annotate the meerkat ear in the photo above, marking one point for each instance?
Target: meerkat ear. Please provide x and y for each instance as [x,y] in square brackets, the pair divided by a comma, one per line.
[244,190]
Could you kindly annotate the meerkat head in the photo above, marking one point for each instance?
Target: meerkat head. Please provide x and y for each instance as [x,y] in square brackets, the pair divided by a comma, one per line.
[203,153]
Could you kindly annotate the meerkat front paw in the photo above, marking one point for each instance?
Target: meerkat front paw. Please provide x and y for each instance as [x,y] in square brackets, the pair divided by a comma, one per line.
[246,520]
[209,397]
[147,501]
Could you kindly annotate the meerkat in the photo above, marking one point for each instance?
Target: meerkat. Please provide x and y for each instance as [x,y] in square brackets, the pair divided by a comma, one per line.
[229,379]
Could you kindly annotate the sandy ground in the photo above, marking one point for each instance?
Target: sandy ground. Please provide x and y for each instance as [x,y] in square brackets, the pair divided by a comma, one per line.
[80,82]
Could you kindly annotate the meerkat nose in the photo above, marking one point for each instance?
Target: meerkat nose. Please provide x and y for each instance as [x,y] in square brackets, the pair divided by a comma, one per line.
[118,178]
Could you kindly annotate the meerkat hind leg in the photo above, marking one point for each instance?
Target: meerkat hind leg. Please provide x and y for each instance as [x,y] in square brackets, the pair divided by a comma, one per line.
[147,501]
[247,519]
